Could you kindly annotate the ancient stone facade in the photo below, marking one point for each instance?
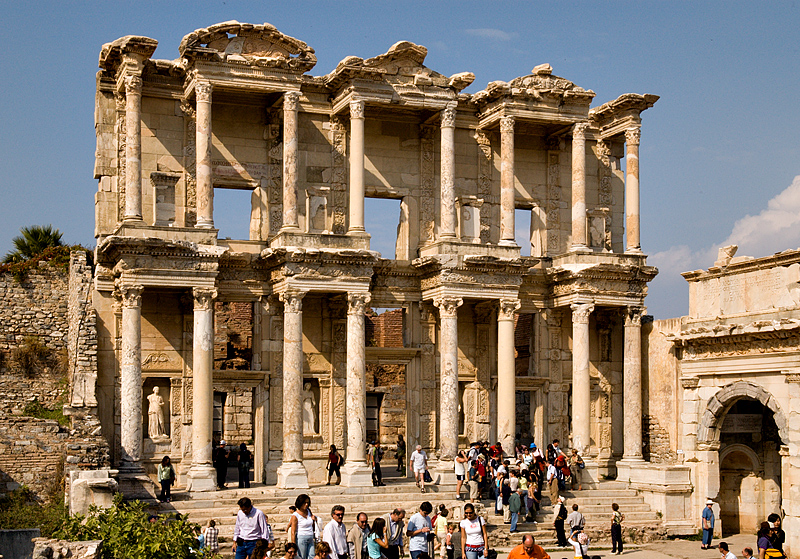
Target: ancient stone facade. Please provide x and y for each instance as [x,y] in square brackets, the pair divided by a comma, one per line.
[723,382]
[240,109]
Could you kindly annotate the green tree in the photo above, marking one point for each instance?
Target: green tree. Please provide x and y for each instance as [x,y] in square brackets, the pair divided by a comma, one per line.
[32,242]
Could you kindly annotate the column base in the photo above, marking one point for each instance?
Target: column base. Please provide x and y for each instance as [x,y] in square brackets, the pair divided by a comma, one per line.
[626,465]
[508,243]
[444,475]
[204,224]
[356,474]
[201,478]
[292,475]
[132,219]
[134,483]
[633,250]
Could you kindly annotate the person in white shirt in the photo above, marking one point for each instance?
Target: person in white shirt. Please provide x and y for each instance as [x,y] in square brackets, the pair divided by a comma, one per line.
[335,533]
[417,530]
[725,552]
[459,465]
[552,484]
[419,464]
[251,526]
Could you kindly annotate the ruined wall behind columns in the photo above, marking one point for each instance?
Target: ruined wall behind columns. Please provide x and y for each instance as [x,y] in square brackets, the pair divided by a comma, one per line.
[661,400]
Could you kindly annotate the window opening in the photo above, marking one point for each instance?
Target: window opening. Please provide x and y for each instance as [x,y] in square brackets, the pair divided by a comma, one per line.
[382,220]
[522,231]
[232,208]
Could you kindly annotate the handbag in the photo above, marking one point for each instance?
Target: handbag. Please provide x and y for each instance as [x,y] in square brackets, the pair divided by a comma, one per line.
[427,477]
[581,465]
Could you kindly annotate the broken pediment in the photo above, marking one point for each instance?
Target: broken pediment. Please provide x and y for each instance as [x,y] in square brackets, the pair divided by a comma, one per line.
[232,41]
[111,54]
[540,83]
[402,63]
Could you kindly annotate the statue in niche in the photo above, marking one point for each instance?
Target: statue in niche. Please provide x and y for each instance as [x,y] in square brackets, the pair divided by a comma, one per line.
[156,425]
[309,410]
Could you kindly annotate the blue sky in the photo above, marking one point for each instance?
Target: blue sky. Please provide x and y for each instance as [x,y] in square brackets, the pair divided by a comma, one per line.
[719,155]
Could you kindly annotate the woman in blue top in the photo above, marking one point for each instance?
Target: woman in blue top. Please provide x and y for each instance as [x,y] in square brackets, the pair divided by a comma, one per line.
[377,538]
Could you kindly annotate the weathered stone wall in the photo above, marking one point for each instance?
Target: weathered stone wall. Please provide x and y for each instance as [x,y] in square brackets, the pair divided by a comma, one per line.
[233,336]
[31,453]
[385,330]
[661,397]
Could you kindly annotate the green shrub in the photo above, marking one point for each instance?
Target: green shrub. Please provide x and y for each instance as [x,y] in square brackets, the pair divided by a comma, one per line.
[35,408]
[33,358]
[21,509]
[126,532]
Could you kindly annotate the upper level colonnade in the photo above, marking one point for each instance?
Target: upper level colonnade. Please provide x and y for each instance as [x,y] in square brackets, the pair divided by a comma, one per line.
[499,150]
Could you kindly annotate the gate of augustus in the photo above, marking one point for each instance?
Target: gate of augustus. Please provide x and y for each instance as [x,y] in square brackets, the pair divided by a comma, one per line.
[264,340]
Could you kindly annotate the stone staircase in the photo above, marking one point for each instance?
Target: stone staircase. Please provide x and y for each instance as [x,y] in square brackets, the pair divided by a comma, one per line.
[594,504]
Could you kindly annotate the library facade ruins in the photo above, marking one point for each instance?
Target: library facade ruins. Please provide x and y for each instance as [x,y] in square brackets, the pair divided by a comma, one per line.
[275,341]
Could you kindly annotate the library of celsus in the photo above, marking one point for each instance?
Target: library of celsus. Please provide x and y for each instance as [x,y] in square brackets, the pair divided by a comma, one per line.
[300,336]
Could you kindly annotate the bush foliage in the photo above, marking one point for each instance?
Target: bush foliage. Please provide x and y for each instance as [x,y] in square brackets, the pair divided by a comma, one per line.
[57,257]
[126,532]
[21,509]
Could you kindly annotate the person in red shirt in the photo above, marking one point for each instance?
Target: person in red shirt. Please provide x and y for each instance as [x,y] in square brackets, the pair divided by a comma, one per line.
[528,550]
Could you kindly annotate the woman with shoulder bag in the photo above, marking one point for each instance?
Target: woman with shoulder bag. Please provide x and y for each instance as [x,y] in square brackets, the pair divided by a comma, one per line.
[474,539]
[576,465]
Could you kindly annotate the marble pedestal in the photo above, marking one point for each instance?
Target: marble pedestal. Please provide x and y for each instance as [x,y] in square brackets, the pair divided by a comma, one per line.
[134,483]
[293,475]
[201,478]
[356,474]
[626,466]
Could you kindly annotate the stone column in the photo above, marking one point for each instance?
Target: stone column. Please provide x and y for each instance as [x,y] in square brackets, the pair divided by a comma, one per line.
[202,475]
[356,225]
[579,236]
[292,473]
[448,378]
[447,195]
[205,185]
[355,471]
[131,379]
[507,181]
[581,390]
[291,101]
[633,244]
[506,373]
[632,384]
[133,149]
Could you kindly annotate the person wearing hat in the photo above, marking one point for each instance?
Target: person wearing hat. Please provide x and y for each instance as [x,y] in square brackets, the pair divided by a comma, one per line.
[560,516]
[219,458]
[708,525]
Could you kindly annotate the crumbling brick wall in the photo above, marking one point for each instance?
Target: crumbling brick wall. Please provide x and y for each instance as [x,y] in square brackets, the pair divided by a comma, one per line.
[385,330]
[233,335]
[31,454]
[655,442]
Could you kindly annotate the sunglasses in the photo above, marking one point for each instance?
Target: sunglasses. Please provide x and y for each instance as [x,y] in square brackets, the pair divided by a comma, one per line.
[338,514]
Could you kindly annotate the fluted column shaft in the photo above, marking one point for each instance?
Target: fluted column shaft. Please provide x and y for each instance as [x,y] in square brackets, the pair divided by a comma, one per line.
[632,384]
[507,181]
[448,376]
[581,389]
[447,206]
[290,109]
[202,376]
[205,185]
[131,377]
[633,243]
[506,373]
[133,149]
[579,233]
[356,210]
[356,378]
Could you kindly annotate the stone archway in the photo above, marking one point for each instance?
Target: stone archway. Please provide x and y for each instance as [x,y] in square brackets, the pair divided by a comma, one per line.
[740,469]
[709,428]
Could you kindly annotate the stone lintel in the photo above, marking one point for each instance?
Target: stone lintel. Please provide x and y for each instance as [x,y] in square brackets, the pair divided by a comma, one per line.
[453,247]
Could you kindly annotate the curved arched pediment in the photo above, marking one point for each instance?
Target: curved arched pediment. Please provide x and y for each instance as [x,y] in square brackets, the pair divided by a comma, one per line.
[718,405]
[248,42]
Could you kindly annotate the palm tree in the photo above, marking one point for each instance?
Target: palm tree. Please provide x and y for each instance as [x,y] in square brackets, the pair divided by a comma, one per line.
[33,241]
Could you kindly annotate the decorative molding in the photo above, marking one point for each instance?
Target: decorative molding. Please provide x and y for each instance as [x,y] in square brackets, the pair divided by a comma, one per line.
[204,298]
[579,130]
[131,296]
[449,115]
[633,316]
[507,308]
[133,85]
[690,383]
[633,135]
[507,124]
[292,301]
[291,101]
[357,108]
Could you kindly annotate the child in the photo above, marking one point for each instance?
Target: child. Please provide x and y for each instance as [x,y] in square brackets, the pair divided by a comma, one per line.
[260,551]
[440,529]
[211,536]
[448,541]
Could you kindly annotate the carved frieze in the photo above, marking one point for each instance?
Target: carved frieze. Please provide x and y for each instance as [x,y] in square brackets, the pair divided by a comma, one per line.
[275,176]
[449,115]
[730,346]
[427,174]
[484,181]
[338,138]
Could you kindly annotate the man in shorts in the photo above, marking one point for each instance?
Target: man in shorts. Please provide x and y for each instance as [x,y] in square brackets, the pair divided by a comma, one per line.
[419,464]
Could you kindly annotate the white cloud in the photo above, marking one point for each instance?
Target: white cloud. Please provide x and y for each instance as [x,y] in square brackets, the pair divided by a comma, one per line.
[774,229]
[495,34]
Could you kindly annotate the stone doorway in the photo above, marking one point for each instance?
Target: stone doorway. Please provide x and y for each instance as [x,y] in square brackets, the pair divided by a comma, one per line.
[750,467]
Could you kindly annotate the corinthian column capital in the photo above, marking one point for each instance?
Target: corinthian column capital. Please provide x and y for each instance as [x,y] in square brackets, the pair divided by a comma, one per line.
[507,308]
[291,101]
[357,108]
[633,135]
[204,298]
[633,315]
[131,296]
[507,124]
[579,130]
[448,306]
[292,301]
[133,85]
[202,91]
[581,312]
[357,302]
[449,115]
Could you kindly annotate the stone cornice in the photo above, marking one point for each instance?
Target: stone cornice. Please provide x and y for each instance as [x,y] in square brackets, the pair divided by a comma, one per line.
[729,333]
[785,258]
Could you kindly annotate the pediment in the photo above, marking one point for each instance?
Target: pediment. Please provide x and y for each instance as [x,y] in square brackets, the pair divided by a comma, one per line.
[232,41]
[540,83]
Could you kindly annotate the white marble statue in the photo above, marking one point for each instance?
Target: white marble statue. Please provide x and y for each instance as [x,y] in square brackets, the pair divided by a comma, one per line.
[309,410]
[155,414]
